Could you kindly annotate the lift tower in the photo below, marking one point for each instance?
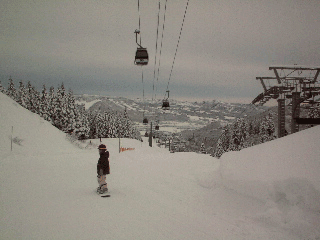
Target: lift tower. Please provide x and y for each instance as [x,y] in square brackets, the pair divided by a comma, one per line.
[291,86]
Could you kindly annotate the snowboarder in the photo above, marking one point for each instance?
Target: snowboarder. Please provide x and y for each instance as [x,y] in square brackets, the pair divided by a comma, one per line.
[103,168]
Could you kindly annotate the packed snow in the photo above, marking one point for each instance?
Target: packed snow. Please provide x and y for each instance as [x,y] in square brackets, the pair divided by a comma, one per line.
[47,187]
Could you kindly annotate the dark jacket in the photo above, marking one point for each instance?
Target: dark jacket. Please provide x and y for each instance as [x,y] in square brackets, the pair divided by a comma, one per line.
[103,163]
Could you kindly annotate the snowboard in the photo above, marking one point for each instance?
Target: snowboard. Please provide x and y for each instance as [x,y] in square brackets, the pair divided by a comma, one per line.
[104,196]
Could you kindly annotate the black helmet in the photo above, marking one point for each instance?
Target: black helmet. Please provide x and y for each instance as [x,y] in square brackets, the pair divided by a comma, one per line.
[102,146]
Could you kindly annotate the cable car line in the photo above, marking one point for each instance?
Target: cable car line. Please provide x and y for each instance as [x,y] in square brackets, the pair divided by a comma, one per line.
[145,120]
[141,57]
[174,59]
[155,56]
[164,20]
[165,101]
[139,14]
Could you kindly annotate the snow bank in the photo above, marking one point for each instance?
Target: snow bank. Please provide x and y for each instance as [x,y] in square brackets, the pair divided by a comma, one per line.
[293,160]
[284,174]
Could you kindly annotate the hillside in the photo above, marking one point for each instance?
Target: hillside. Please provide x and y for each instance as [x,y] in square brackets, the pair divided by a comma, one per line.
[47,188]
[30,132]
[181,115]
[191,122]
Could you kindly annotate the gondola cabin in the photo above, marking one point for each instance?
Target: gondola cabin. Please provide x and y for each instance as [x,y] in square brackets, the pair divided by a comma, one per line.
[145,120]
[165,104]
[157,127]
[142,57]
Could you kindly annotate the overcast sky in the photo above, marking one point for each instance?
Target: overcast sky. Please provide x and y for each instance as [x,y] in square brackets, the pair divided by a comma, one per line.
[89,45]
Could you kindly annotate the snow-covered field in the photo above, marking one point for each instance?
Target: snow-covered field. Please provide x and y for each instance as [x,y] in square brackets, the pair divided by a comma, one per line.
[47,188]
[87,105]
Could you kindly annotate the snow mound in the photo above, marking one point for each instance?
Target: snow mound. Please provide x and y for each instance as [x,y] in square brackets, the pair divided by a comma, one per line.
[287,166]
[29,132]
[284,174]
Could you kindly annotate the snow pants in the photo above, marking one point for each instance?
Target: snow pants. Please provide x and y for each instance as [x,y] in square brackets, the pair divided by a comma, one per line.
[102,180]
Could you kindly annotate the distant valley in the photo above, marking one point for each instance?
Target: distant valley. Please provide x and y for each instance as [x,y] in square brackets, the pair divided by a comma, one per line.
[181,116]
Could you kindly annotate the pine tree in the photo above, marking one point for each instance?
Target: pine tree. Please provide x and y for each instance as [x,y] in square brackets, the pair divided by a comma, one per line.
[28,96]
[70,111]
[112,126]
[94,119]
[21,95]
[44,104]
[11,92]
[51,105]
[250,128]
[314,112]
[91,125]
[101,126]
[2,89]
[32,99]
[82,127]
[236,136]
[60,113]
[244,133]
[267,129]
[223,142]
[107,125]
[126,123]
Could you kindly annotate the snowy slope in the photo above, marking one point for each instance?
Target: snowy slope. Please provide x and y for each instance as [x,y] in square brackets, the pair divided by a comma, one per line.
[284,174]
[47,192]
[295,157]
[30,132]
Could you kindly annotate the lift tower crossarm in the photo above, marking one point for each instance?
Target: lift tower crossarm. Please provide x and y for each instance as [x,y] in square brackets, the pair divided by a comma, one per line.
[277,75]
[316,75]
[262,82]
[294,68]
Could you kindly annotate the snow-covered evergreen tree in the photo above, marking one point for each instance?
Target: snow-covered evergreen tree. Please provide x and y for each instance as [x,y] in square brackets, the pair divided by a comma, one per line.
[223,142]
[100,126]
[21,95]
[81,126]
[267,129]
[314,112]
[70,111]
[11,91]
[244,132]
[51,105]
[94,132]
[235,136]
[112,129]
[44,104]
[250,128]
[60,113]
[126,125]
[2,89]
[112,125]
[32,99]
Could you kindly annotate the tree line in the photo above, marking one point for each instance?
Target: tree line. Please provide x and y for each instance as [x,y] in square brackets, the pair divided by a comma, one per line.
[244,133]
[61,110]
